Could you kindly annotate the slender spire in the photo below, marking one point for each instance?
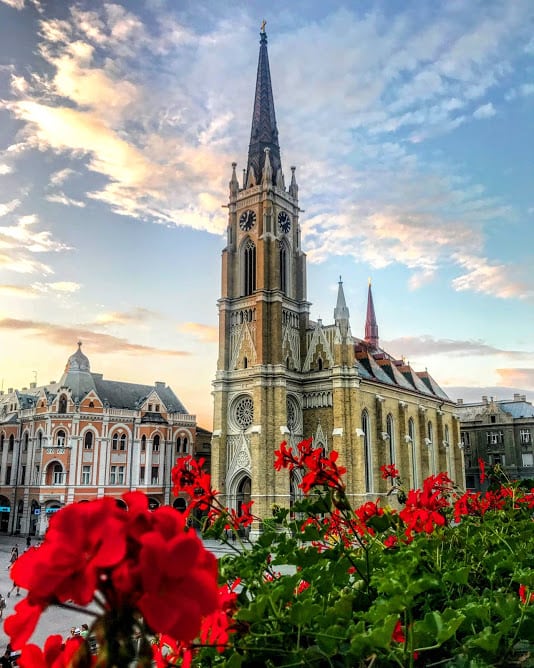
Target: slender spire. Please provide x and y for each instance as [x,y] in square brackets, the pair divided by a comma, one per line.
[341,312]
[371,328]
[264,133]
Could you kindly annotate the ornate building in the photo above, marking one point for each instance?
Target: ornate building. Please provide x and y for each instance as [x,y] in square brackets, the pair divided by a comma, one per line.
[499,432]
[86,437]
[282,376]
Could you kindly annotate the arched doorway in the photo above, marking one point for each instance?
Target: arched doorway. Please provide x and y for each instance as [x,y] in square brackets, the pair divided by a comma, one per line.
[5,510]
[35,511]
[243,494]
[180,504]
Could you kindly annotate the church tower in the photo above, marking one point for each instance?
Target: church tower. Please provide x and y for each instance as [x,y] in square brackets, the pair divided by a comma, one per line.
[281,376]
[263,313]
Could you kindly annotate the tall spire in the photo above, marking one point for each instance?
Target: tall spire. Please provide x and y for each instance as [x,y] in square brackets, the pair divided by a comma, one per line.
[264,133]
[371,328]
[341,312]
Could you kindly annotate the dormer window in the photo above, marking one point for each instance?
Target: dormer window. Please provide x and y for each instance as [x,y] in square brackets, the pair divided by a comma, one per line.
[91,404]
[156,408]
[62,406]
[149,408]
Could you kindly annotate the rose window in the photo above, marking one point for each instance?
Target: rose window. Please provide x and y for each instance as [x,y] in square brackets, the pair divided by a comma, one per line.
[244,412]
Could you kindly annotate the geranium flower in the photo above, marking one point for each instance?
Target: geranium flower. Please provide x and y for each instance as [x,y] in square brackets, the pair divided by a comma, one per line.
[22,623]
[398,633]
[179,580]
[524,596]
[81,541]
[188,477]
[55,654]
[389,471]
[482,466]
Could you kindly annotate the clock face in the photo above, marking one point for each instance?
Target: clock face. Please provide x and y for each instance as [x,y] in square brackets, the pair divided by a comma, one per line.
[247,220]
[284,222]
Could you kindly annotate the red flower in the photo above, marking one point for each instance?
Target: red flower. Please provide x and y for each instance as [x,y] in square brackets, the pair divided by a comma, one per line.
[56,654]
[188,477]
[482,466]
[216,627]
[389,471]
[22,623]
[398,633]
[422,508]
[302,586]
[245,519]
[179,582]
[81,541]
[524,596]
[391,541]
[285,458]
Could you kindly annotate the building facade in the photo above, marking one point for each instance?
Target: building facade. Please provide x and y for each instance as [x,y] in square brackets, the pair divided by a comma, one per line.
[499,432]
[85,437]
[282,376]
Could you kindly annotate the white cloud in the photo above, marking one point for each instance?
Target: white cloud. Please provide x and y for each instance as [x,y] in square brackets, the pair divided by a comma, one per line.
[59,177]
[485,111]
[61,198]
[5,169]
[527,89]
[498,280]
[16,4]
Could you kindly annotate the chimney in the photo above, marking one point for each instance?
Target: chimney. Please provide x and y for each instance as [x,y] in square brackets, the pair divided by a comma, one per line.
[484,399]
[460,402]
[517,396]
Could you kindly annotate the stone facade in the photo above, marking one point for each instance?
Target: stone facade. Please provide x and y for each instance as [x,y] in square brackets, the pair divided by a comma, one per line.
[85,437]
[500,432]
[282,376]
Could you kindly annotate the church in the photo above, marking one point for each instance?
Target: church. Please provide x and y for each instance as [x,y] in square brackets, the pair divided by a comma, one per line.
[282,376]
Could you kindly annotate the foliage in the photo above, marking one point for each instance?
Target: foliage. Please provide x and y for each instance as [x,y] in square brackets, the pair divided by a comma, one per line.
[445,578]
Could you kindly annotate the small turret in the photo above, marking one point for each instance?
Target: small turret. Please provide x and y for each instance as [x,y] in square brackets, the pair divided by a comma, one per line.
[234,183]
[293,188]
[341,312]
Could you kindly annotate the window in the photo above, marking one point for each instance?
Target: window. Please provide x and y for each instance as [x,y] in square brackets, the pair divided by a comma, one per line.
[528,459]
[283,268]
[60,438]
[37,475]
[156,408]
[39,440]
[155,443]
[2,439]
[115,442]
[367,452]
[11,443]
[391,438]
[155,475]
[23,474]
[184,444]
[116,475]
[524,436]
[319,364]
[249,261]
[497,459]
[411,434]
[494,437]
[58,474]
[143,443]
[465,439]
[150,407]
[86,474]
[122,445]
[25,442]
[91,404]
[62,406]
[88,440]
[493,419]
[141,475]
[245,363]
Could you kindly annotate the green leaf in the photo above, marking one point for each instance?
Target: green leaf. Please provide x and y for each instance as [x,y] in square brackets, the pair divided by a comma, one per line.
[302,613]
[458,576]
[235,661]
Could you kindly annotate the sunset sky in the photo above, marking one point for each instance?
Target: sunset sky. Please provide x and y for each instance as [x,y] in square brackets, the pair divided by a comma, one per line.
[412,128]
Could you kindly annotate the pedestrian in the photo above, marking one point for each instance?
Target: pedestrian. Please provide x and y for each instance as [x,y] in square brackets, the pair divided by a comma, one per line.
[14,556]
[15,586]
[84,631]
[28,541]
[2,605]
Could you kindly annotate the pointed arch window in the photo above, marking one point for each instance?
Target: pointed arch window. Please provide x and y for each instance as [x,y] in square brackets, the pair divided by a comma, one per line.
[143,443]
[368,463]
[391,438]
[411,434]
[11,443]
[283,267]
[2,439]
[155,443]
[249,265]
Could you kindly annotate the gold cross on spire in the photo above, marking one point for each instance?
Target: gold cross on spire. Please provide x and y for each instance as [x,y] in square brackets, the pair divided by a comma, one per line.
[263,24]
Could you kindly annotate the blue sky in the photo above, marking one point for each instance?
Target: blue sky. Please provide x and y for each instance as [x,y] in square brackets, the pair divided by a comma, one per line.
[411,126]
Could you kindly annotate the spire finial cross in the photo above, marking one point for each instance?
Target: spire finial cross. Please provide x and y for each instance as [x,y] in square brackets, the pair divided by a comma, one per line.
[263,24]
